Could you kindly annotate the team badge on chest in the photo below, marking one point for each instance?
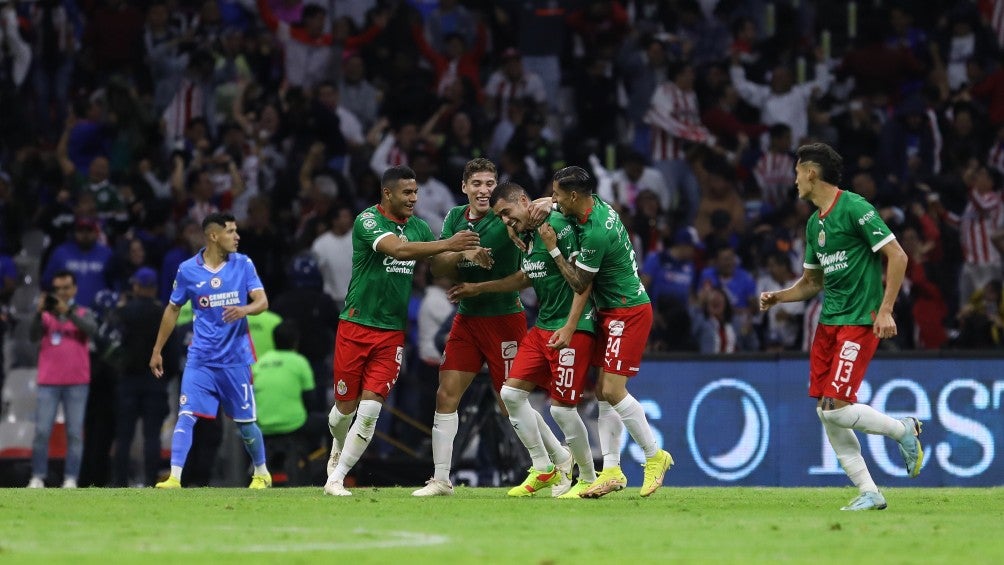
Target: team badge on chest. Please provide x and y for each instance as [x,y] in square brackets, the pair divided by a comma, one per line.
[216,282]
[822,238]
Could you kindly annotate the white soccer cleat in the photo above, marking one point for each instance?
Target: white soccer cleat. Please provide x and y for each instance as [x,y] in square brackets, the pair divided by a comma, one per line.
[70,483]
[335,488]
[36,482]
[434,487]
[336,452]
[565,484]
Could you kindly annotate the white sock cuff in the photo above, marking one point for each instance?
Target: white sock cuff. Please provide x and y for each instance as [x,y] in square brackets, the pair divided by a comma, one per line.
[625,403]
[440,417]
[369,408]
[605,407]
[513,394]
[336,416]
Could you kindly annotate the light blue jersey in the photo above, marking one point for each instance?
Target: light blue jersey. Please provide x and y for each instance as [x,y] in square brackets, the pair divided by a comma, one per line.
[215,343]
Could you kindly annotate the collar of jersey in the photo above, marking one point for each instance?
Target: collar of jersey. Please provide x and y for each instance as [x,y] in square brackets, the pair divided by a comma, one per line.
[467,216]
[200,262]
[389,217]
[832,205]
[585,217]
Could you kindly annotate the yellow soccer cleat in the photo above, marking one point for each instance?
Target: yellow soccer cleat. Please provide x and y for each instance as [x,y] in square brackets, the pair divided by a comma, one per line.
[655,469]
[261,481]
[577,490]
[537,480]
[169,482]
[609,480]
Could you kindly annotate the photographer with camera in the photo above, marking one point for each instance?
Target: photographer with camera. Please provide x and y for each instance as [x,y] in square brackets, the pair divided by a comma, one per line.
[64,330]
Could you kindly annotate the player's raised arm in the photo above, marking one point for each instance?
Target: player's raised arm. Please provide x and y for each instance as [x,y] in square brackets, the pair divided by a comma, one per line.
[577,277]
[167,323]
[407,250]
[809,285]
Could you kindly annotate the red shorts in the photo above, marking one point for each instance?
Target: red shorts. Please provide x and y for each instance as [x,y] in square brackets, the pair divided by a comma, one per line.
[838,360]
[476,339]
[624,331]
[562,372]
[366,359]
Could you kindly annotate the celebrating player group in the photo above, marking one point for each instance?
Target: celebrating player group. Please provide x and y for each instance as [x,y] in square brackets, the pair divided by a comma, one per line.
[575,252]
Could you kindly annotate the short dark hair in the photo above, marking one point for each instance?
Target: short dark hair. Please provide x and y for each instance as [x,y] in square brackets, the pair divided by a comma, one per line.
[286,335]
[63,273]
[219,219]
[508,191]
[825,157]
[575,179]
[396,174]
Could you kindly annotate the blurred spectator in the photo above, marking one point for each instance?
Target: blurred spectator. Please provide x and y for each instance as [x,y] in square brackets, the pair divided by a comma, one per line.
[669,276]
[722,120]
[393,147]
[676,121]
[715,327]
[719,193]
[333,250]
[435,199]
[140,395]
[783,101]
[64,328]
[261,240]
[981,319]
[53,49]
[533,143]
[649,222]
[89,260]
[910,146]
[928,304]
[774,171]
[288,415]
[512,81]
[724,272]
[357,94]
[451,19]
[634,177]
[782,326]
[456,58]
[641,66]
[596,102]
[983,216]
[260,328]
[112,39]
[316,316]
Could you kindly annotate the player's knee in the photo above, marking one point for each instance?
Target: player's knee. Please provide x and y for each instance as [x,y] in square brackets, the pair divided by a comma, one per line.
[512,397]
[446,400]
[565,416]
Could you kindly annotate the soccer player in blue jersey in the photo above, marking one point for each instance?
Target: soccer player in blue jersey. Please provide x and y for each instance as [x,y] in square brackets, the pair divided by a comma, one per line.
[224,289]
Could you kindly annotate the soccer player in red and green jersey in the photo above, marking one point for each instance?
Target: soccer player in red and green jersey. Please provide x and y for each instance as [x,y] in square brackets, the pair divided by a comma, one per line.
[845,241]
[386,241]
[487,328]
[606,260]
[555,354]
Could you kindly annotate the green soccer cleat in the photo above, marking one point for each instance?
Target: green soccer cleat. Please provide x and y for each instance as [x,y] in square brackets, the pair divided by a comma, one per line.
[261,481]
[537,480]
[577,490]
[655,469]
[867,501]
[169,482]
[910,448]
[609,480]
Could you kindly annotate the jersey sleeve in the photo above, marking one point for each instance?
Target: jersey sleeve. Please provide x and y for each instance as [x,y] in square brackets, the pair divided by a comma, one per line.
[448,225]
[368,230]
[593,244]
[179,292]
[424,231]
[251,276]
[870,225]
[568,241]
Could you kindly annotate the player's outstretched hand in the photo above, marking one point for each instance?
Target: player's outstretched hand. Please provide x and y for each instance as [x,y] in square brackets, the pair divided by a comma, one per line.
[561,338]
[481,257]
[461,291]
[548,236]
[233,313]
[464,240]
[157,365]
[767,299]
[540,209]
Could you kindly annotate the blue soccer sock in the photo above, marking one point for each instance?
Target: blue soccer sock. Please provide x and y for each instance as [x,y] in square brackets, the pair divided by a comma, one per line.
[254,444]
[181,443]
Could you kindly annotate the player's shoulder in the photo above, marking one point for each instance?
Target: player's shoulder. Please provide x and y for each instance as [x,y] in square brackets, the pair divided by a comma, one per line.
[371,213]
[455,213]
[415,222]
[558,221]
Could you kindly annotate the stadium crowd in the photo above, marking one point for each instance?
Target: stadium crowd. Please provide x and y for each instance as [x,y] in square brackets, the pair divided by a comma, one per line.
[124,124]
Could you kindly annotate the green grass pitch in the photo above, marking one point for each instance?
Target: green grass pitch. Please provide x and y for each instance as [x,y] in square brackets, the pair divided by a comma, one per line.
[482,525]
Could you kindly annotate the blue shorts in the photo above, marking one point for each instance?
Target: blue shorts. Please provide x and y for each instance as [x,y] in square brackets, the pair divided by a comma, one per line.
[204,389]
